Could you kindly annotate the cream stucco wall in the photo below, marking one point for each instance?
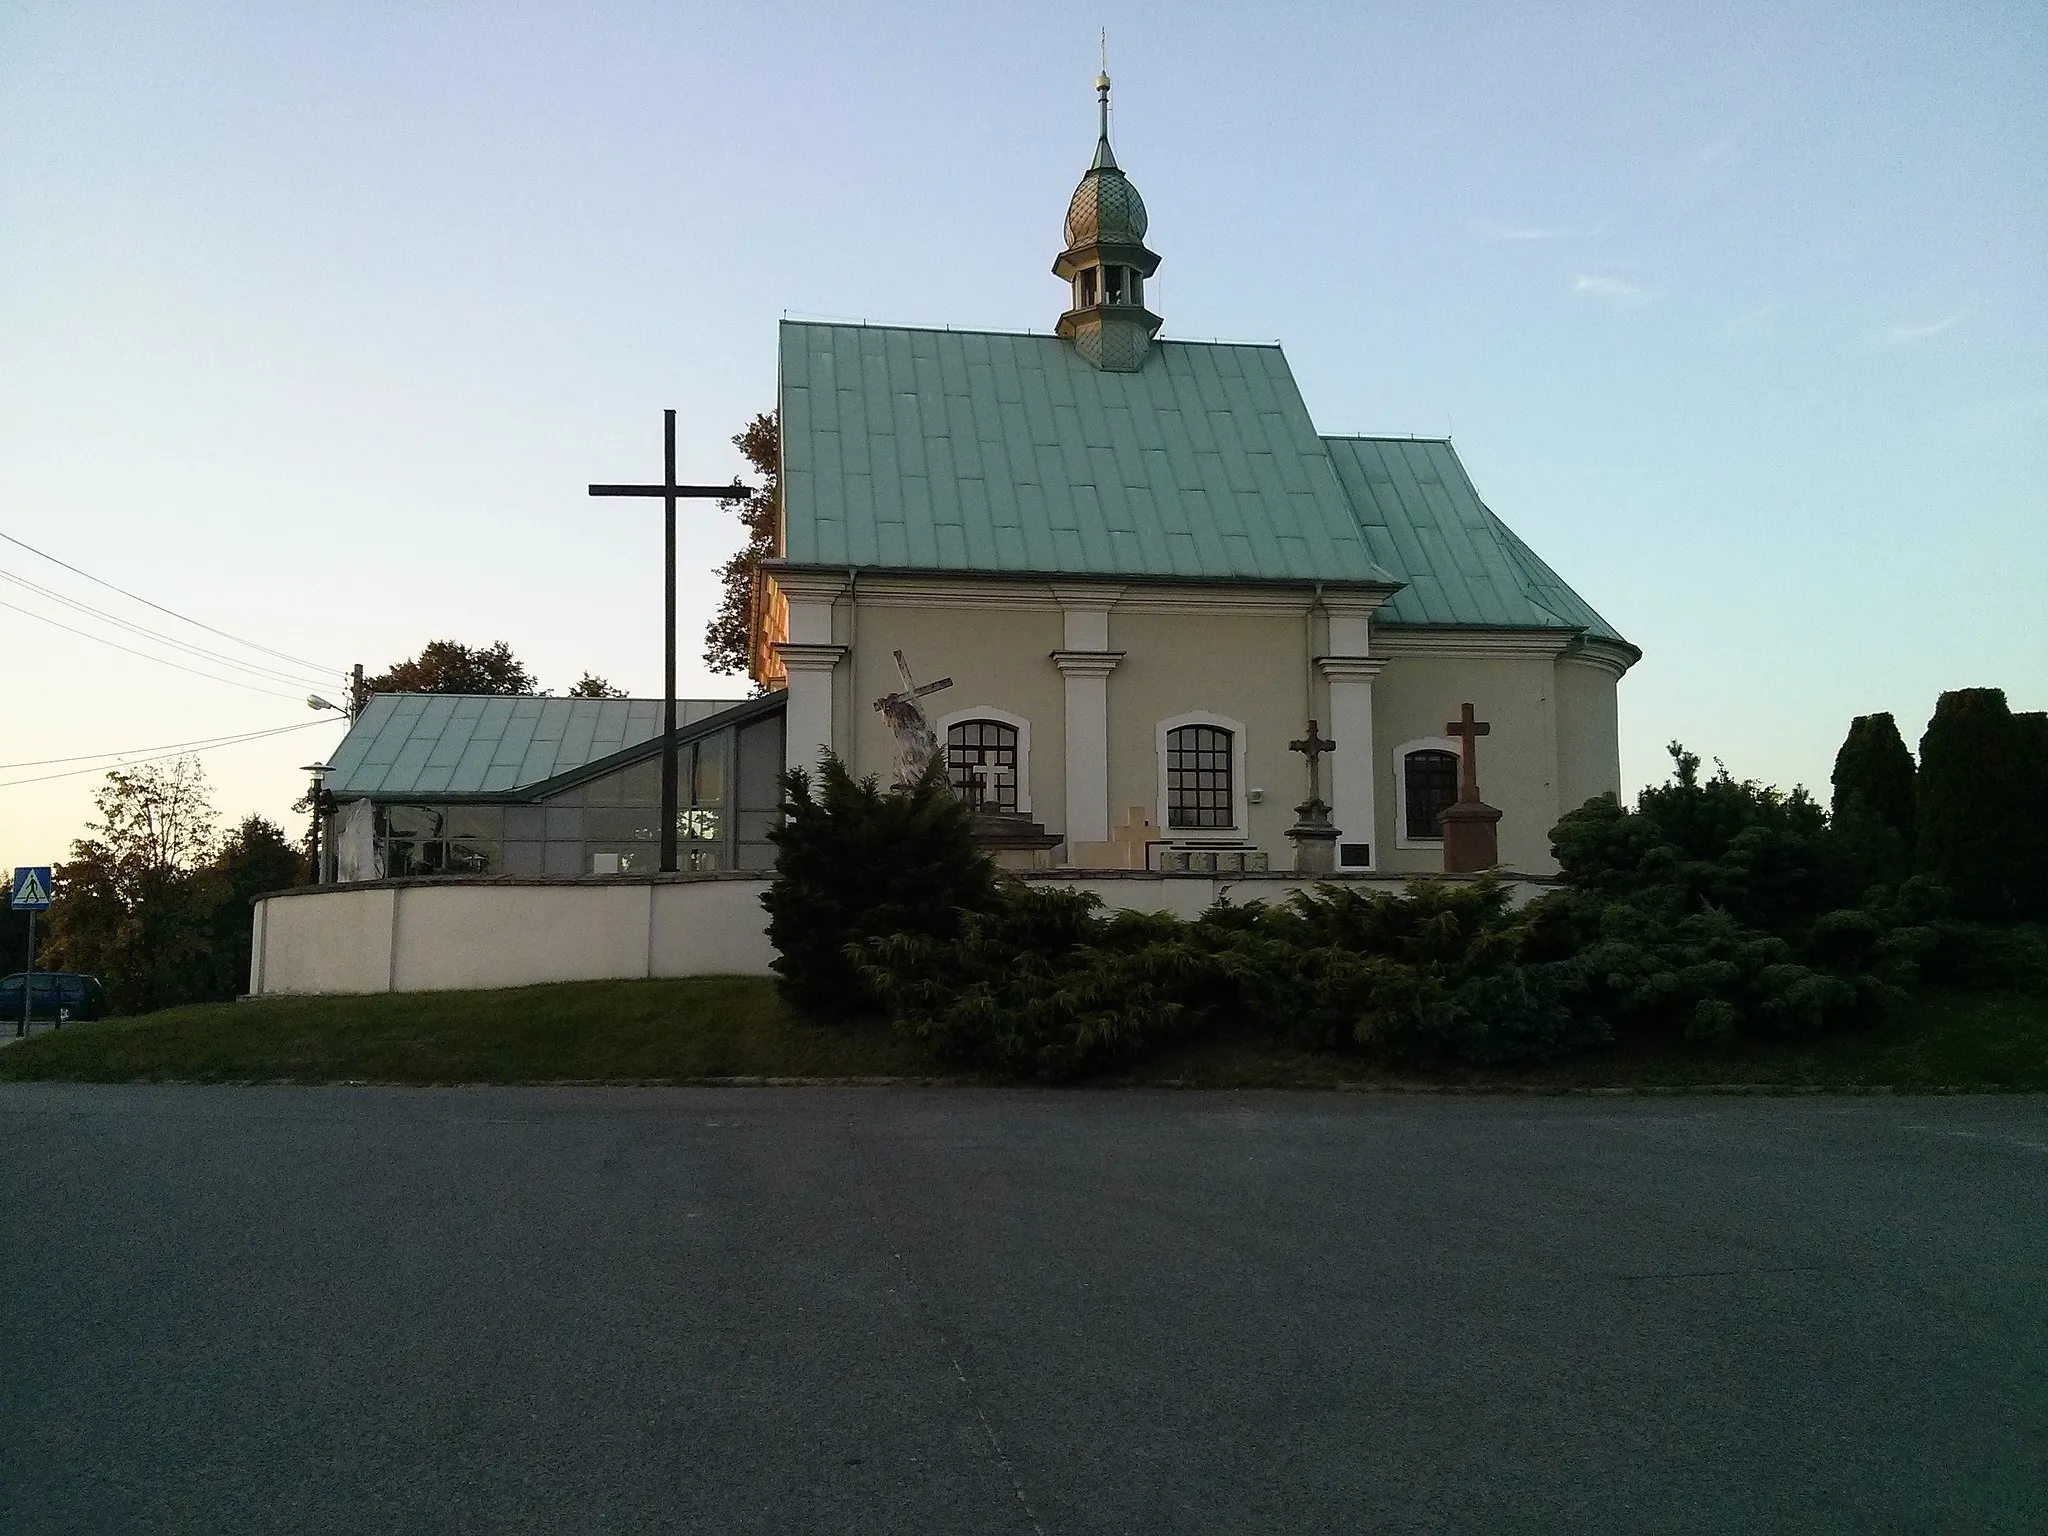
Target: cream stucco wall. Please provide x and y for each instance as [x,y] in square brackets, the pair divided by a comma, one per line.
[1418,695]
[1249,668]
[456,935]
[438,935]
[1588,731]
[339,941]
[1239,654]
[997,655]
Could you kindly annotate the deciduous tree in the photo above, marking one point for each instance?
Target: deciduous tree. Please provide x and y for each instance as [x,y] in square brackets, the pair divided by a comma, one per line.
[449,666]
[128,907]
[729,638]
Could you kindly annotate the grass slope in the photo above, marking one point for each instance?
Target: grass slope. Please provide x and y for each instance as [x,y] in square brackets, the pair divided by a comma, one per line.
[599,1031]
[730,1026]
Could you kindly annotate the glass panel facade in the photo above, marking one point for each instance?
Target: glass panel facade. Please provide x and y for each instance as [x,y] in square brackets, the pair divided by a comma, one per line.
[708,776]
[613,821]
[641,783]
[475,821]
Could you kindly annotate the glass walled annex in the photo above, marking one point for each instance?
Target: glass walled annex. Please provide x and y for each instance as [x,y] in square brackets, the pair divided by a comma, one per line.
[609,826]
[601,818]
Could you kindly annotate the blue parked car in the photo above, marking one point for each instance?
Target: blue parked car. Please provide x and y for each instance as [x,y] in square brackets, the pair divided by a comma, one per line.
[80,997]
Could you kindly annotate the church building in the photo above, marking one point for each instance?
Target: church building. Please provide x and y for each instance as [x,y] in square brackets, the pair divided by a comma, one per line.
[1145,572]
[1140,573]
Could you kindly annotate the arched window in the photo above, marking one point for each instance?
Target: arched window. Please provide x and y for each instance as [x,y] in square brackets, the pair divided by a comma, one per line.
[1429,782]
[983,763]
[1199,791]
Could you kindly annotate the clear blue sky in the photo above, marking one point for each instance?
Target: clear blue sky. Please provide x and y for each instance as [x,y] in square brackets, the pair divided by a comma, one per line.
[315,320]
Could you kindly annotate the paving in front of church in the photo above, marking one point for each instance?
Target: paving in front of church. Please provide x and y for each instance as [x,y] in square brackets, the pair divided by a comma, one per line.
[271,1309]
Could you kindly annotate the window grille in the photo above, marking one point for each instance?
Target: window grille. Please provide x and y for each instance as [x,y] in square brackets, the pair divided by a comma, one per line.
[1431,780]
[981,762]
[1198,787]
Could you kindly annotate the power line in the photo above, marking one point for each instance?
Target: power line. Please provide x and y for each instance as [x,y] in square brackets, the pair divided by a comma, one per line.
[162,746]
[255,669]
[227,741]
[319,667]
[161,661]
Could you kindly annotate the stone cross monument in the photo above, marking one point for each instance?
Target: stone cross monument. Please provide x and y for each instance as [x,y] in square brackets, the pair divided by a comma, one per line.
[1471,827]
[1314,838]
[916,742]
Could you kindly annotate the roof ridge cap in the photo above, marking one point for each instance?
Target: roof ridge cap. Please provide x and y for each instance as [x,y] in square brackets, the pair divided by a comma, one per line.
[1381,437]
[1272,343]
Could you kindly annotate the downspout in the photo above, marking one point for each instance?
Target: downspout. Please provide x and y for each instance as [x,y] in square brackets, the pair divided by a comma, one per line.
[853,670]
[1308,660]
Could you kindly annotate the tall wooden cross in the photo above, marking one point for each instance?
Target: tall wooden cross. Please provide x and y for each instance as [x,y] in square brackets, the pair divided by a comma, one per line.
[670,492]
[1468,731]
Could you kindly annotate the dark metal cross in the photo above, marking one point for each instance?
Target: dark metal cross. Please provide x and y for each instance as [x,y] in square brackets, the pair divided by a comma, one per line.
[1313,746]
[1468,731]
[669,492]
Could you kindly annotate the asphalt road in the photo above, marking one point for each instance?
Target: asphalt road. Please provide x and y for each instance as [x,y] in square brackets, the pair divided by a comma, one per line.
[365,1310]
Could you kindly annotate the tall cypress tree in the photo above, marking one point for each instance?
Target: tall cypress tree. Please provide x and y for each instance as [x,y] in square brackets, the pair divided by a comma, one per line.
[1978,814]
[2032,831]
[1874,766]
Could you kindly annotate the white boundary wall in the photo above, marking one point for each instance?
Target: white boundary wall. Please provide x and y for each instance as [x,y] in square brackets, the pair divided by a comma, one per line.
[440,935]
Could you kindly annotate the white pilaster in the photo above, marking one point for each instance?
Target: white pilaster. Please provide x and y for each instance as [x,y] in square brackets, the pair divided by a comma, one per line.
[1351,773]
[1349,669]
[1087,679]
[807,722]
[1085,661]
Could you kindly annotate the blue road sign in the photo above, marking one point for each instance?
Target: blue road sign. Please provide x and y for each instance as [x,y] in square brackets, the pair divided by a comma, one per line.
[32,888]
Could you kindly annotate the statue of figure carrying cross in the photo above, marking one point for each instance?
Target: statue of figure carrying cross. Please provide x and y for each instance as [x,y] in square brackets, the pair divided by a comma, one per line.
[916,742]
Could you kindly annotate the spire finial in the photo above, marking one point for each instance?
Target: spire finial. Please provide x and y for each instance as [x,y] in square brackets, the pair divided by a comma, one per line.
[1104,158]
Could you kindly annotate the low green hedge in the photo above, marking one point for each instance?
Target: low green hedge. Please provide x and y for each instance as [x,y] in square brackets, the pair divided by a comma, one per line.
[1715,909]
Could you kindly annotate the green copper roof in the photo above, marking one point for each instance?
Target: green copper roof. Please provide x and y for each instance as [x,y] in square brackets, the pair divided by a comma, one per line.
[456,744]
[1464,567]
[977,451]
[920,450]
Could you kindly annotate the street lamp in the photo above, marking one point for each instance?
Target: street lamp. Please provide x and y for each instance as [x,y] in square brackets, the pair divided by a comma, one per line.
[322,803]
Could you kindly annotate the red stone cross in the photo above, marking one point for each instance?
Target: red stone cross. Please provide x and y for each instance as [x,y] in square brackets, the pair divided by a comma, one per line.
[1468,731]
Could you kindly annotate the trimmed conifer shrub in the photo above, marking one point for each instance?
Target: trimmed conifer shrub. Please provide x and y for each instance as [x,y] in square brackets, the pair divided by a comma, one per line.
[1715,908]
[854,861]
[1979,816]
[1044,984]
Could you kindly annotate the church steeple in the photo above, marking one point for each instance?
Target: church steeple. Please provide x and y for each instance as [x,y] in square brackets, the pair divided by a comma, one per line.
[1106,261]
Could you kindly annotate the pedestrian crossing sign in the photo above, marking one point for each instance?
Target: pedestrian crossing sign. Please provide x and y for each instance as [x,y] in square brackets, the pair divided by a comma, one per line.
[32,888]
